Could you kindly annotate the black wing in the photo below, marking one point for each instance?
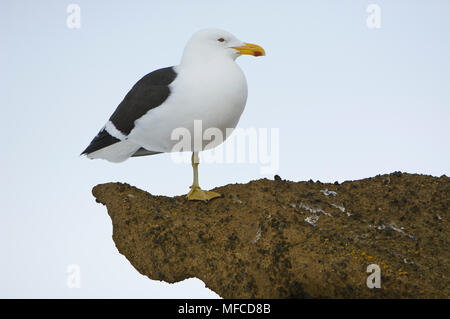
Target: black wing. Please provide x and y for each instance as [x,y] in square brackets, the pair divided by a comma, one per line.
[149,92]
[103,139]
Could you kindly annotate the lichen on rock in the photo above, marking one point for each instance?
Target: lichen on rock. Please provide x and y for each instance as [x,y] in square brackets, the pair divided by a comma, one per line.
[282,239]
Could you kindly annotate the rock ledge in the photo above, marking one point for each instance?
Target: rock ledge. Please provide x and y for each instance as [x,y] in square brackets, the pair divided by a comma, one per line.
[283,239]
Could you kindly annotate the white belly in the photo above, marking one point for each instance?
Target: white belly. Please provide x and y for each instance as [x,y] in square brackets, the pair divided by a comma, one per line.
[215,95]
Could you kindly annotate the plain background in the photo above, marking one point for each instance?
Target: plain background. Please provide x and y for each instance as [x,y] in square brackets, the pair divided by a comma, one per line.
[350,102]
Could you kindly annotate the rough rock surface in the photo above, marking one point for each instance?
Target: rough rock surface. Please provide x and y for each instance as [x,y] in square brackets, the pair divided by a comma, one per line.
[282,239]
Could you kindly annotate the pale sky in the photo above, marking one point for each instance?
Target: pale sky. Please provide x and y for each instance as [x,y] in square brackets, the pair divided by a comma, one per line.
[350,102]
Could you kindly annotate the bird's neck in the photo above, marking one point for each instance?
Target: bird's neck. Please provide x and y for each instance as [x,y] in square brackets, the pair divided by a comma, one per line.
[204,59]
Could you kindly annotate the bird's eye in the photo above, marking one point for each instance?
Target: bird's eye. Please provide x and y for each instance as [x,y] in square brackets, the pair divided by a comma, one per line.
[221,39]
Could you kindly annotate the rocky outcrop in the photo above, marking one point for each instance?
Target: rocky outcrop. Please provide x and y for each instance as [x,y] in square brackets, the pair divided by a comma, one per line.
[283,239]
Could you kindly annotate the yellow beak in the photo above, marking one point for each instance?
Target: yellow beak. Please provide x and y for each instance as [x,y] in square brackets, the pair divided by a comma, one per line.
[250,49]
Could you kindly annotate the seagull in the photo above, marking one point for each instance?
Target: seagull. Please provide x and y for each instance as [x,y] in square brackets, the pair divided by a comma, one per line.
[207,86]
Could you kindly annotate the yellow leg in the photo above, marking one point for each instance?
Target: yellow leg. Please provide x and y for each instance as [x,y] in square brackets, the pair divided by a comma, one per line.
[196,193]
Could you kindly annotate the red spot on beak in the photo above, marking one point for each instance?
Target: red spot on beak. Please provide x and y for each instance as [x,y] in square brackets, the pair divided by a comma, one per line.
[257,53]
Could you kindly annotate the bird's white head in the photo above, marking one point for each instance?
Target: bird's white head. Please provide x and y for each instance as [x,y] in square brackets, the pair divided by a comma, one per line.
[209,44]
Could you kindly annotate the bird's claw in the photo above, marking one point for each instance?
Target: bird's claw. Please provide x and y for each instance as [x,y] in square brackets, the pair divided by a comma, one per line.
[196,193]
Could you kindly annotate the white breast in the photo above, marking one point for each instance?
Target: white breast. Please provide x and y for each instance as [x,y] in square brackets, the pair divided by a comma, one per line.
[216,94]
